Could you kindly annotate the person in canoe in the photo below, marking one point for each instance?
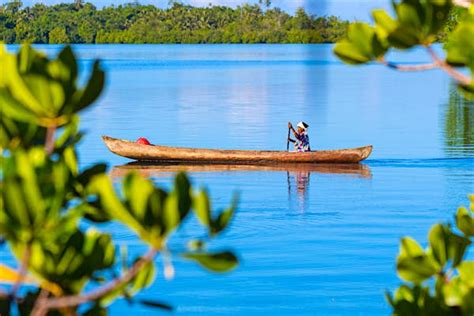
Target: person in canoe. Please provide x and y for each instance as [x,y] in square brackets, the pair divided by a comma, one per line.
[301,143]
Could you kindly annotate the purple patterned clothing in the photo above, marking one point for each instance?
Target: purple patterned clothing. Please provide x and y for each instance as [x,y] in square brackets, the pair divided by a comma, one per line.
[302,142]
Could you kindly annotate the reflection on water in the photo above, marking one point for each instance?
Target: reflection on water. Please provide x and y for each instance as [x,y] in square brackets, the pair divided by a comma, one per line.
[459,127]
[166,169]
[298,185]
[297,175]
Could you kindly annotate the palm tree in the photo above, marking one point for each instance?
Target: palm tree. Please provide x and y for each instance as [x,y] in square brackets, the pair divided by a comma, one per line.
[78,4]
[267,3]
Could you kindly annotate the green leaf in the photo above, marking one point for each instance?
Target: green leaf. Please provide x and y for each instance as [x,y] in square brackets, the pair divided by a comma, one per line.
[156,304]
[361,45]
[416,269]
[349,53]
[136,191]
[384,23]
[49,94]
[144,278]
[15,109]
[439,243]
[410,248]
[70,135]
[16,92]
[70,257]
[86,175]
[413,264]
[452,291]
[202,208]
[408,14]
[403,38]
[406,293]
[171,218]
[182,188]
[45,92]
[67,58]
[111,204]
[460,48]
[178,203]
[389,298]
[224,218]
[216,262]
[466,273]
[92,211]
[457,248]
[85,97]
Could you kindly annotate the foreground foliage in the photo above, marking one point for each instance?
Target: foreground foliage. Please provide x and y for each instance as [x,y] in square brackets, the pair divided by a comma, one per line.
[51,211]
[417,24]
[440,280]
[81,22]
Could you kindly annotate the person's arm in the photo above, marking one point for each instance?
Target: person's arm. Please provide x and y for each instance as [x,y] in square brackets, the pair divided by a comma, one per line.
[290,126]
[291,140]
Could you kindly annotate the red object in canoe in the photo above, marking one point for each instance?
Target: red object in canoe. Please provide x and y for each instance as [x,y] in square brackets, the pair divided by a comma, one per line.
[143,141]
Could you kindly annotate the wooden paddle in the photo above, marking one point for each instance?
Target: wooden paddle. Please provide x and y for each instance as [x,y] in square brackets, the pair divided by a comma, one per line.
[288,140]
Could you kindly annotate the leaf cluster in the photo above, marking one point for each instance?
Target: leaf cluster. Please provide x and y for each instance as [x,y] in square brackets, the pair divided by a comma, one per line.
[441,281]
[51,211]
[416,23]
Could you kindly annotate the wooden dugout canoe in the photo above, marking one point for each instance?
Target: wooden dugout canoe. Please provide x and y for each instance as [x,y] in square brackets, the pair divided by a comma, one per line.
[165,154]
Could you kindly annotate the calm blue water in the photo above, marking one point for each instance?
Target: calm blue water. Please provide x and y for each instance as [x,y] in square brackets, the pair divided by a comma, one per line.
[311,243]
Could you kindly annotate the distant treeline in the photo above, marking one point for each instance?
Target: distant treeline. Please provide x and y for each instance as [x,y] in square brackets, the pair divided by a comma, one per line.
[81,22]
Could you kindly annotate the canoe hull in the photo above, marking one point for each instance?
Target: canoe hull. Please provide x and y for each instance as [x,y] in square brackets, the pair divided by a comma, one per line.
[165,154]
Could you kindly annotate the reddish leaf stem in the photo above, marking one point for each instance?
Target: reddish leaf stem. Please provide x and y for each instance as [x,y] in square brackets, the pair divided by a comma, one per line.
[457,75]
[409,67]
[49,145]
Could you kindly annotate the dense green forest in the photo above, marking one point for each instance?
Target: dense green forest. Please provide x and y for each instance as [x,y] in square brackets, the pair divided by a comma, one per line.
[81,22]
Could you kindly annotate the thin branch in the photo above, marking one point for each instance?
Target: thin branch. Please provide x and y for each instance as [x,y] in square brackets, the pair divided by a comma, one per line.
[49,144]
[37,309]
[437,63]
[68,301]
[457,75]
[398,67]
[25,262]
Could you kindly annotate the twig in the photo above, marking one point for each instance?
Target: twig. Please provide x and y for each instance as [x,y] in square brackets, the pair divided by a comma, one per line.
[458,76]
[37,309]
[437,63]
[49,144]
[25,261]
[68,301]
[408,67]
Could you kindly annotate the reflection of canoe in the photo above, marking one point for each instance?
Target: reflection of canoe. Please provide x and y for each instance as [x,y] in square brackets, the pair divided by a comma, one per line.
[162,154]
[160,170]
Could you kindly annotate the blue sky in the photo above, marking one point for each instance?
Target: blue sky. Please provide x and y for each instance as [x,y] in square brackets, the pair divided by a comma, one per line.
[348,9]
